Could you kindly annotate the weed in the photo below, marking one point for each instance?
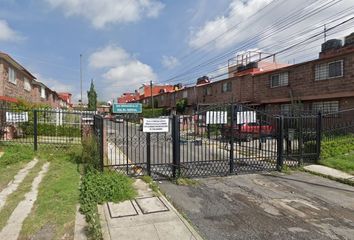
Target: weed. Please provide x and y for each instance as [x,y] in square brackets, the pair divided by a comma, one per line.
[97,188]
[152,184]
[186,182]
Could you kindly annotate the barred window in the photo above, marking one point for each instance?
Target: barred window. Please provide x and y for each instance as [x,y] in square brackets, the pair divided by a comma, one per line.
[279,80]
[226,87]
[325,107]
[12,76]
[329,70]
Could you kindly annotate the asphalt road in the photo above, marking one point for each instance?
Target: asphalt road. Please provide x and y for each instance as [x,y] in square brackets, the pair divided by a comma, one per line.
[277,206]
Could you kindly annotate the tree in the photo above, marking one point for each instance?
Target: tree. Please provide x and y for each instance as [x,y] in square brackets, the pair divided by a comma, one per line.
[181,105]
[92,98]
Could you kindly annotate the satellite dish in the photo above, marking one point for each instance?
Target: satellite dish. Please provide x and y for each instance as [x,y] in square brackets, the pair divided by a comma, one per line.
[109,103]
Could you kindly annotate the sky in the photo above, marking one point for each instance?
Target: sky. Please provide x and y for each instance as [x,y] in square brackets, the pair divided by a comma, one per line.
[126,43]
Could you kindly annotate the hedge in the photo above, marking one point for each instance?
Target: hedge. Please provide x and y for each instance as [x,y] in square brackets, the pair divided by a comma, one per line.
[44,129]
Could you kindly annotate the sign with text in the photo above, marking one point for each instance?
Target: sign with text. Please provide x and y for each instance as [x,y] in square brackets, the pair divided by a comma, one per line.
[216,117]
[155,125]
[16,117]
[246,117]
[127,108]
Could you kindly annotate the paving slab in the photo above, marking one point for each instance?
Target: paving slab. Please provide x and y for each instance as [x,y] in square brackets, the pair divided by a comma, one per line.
[122,209]
[80,225]
[329,172]
[151,205]
[156,219]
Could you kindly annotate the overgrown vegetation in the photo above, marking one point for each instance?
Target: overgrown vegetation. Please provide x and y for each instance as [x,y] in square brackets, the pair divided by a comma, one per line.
[152,184]
[99,187]
[186,182]
[339,153]
[15,154]
[44,129]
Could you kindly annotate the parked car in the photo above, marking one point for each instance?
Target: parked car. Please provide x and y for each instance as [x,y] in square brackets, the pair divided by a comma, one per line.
[248,131]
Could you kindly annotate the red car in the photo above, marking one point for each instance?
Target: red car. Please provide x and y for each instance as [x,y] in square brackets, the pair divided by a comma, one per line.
[248,131]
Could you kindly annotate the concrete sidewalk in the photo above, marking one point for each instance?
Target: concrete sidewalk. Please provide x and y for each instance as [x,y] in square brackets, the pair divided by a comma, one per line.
[327,171]
[147,217]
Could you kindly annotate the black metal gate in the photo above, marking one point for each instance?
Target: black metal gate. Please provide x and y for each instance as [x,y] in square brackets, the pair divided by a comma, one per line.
[219,140]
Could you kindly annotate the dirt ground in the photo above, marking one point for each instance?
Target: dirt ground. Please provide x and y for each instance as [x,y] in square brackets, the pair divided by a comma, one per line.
[267,206]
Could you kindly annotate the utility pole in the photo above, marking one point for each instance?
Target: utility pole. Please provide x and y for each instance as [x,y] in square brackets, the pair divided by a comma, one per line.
[152,98]
[325,33]
[81,79]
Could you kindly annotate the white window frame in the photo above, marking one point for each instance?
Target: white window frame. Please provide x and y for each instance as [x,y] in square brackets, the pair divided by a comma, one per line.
[12,76]
[283,79]
[43,95]
[26,84]
[326,66]
[185,94]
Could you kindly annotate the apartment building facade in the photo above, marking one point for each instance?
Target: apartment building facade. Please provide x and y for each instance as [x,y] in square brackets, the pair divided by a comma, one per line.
[325,84]
[17,83]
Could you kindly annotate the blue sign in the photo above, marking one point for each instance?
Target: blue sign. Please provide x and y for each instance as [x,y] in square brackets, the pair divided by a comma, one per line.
[127,108]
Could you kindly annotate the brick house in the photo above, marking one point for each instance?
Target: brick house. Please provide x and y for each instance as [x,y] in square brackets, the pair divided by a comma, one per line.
[16,83]
[325,84]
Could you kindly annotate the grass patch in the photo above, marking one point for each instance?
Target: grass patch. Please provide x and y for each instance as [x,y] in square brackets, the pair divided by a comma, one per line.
[19,195]
[339,153]
[186,182]
[152,184]
[55,208]
[98,188]
[344,162]
[14,158]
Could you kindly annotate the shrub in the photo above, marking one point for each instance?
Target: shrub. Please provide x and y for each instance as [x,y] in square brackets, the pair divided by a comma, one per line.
[97,188]
[90,153]
[337,146]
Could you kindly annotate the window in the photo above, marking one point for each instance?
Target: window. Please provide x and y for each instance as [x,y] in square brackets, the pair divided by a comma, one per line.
[329,70]
[12,76]
[325,107]
[185,94]
[42,92]
[27,84]
[226,87]
[279,80]
[207,91]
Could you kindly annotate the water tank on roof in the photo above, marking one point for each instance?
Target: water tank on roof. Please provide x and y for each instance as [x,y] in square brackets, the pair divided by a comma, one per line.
[252,65]
[202,80]
[349,39]
[241,68]
[331,44]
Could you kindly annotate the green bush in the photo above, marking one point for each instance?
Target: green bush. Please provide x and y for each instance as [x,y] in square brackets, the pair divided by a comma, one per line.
[44,129]
[338,146]
[16,153]
[98,188]
[90,153]
[157,112]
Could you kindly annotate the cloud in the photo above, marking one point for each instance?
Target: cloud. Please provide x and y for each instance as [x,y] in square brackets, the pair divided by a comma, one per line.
[122,72]
[169,62]
[103,12]
[238,12]
[54,84]
[7,34]
[109,56]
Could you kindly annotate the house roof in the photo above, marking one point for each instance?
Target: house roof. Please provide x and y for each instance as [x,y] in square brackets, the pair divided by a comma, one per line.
[9,59]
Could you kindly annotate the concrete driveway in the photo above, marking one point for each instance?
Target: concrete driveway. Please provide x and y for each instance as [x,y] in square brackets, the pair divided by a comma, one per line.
[269,206]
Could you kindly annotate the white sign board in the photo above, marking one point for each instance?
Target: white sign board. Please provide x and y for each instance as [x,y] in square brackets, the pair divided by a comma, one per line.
[216,117]
[246,117]
[155,125]
[15,117]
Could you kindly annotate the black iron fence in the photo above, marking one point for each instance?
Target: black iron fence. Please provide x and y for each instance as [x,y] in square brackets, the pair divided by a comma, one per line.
[49,128]
[219,140]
